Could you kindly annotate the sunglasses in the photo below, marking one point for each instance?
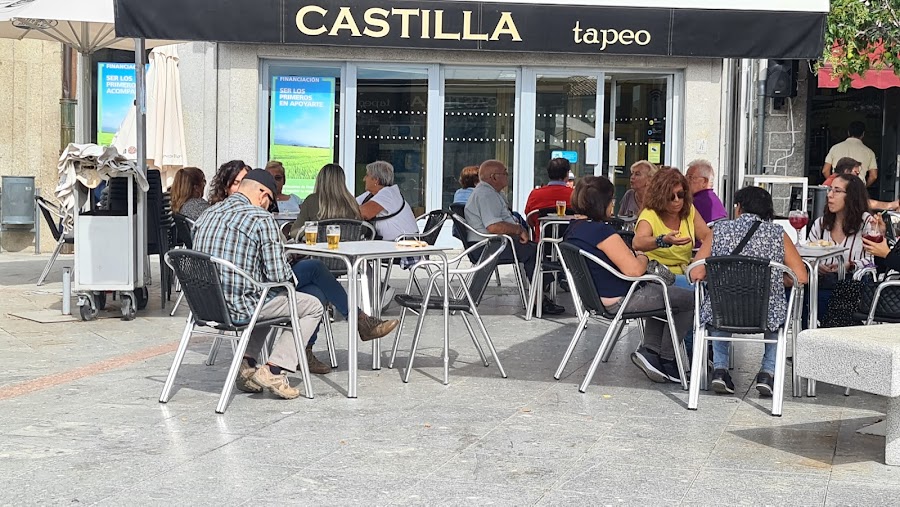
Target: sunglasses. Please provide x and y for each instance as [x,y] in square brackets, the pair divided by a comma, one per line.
[677,195]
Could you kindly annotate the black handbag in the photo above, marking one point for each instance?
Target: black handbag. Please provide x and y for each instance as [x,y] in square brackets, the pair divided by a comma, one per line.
[888,301]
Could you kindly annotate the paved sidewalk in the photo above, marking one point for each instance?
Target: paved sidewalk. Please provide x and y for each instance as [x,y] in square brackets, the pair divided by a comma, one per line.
[80,423]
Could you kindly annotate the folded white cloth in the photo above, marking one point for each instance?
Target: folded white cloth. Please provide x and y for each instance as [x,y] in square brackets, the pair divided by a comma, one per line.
[90,164]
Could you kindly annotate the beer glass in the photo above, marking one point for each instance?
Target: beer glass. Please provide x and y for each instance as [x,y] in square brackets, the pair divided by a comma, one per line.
[333,235]
[311,232]
[561,208]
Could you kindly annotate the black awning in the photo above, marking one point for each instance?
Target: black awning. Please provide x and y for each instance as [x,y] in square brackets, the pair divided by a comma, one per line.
[484,26]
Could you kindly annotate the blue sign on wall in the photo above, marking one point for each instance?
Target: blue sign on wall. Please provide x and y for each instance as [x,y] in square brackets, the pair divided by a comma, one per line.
[571,156]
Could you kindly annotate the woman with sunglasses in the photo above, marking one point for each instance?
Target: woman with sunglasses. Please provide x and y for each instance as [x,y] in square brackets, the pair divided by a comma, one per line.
[227,180]
[669,225]
[287,203]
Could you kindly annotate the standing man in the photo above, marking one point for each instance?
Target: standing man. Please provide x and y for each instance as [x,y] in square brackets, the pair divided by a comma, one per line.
[487,212]
[854,148]
[700,175]
[241,231]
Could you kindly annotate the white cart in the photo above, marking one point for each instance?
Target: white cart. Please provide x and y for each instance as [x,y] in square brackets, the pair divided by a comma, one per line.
[109,255]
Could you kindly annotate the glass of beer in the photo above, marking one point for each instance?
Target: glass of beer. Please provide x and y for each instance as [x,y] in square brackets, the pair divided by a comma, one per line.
[561,208]
[333,235]
[311,232]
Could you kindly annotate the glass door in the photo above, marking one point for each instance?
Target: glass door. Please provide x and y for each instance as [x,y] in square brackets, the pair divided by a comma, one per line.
[639,111]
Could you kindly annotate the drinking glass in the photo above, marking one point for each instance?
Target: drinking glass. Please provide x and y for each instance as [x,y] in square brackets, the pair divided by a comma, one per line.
[333,235]
[311,232]
[798,220]
[560,208]
[873,233]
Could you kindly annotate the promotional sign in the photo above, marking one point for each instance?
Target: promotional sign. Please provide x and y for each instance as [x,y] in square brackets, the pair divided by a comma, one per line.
[115,95]
[301,134]
[571,156]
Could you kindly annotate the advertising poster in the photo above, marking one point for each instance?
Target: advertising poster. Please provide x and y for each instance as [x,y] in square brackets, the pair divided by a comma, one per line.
[301,134]
[115,95]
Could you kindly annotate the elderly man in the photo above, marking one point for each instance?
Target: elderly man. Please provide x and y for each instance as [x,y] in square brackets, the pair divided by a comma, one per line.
[487,212]
[854,148]
[241,231]
[700,176]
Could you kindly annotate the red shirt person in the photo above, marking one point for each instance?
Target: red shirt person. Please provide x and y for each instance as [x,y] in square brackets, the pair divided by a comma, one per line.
[555,190]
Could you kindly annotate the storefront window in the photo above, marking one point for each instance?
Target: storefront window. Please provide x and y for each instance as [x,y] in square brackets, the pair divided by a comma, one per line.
[391,125]
[304,120]
[566,115]
[479,122]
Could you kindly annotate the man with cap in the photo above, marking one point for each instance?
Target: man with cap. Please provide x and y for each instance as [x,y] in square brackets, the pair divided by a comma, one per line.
[241,231]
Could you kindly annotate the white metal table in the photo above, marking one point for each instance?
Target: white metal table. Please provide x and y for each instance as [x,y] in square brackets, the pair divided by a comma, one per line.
[553,221]
[356,254]
[283,218]
[813,257]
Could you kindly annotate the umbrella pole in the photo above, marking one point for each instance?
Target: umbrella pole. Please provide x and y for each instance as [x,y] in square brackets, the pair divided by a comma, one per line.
[83,119]
[140,117]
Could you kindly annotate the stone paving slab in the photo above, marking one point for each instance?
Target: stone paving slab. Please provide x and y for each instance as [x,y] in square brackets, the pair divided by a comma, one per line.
[80,423]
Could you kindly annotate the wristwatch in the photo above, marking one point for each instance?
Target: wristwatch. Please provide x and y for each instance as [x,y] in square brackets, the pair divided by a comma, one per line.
[660,242]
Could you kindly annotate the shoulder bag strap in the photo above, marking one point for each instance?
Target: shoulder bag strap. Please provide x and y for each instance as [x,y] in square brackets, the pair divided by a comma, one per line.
[377,219]
[745,239]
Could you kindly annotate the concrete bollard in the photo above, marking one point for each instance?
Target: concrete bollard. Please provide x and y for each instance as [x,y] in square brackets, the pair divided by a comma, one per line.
[67,292]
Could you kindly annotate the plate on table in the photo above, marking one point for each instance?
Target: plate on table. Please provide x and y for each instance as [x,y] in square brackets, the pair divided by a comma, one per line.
[822,244]
[411,243]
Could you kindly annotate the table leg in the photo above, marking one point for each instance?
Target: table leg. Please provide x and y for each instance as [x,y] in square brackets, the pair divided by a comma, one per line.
[446,275]
[797,324]
[533,289]
[352,297]
[813,315]
[375,266]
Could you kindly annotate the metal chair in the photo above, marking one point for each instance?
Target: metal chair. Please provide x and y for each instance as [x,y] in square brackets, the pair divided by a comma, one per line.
[60,226]
[473,283]
[885,302]
[434,222]
[461,231]
[739,288]
[201,285]
[184,237]
[531,218]
[584,295]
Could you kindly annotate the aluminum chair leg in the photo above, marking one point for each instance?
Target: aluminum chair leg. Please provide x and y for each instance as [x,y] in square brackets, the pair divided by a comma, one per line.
[487,337]
[225,397]
[497,275]
[176,362]
[796,381]
[582,325]
[329,339]
[298,343]
[52,261]
[177,303]
[698,369]
[599,356]
[213,351]
[607,347]
[847,391]
[677,343]
[780,362]
[415,342]
[474,339]
[397,337]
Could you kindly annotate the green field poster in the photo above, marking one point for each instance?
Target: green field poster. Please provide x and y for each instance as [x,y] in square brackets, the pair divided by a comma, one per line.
[301,134]
[115,96]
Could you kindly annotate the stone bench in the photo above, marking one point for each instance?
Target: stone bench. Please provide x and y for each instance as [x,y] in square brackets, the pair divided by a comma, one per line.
[865,358]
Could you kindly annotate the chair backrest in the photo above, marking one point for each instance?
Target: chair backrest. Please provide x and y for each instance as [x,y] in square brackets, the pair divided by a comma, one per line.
[627,237]
[351,230]
[459,232]
[184,233]
[201,286]
[580,279]
[51,216]
[435,219]
[739,288]
[487,262]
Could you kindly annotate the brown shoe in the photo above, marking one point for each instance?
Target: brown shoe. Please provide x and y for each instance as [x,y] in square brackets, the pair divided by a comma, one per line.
[275,384]
[371,328]
[316,366]
[244,381]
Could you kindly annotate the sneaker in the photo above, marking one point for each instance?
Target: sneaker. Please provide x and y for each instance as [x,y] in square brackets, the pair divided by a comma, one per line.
[551,308]
[721,382]
[388,298]
[275,384]
[764,383]
[244,380]
[670,368]
[316,366]
[371,328]
[648,362]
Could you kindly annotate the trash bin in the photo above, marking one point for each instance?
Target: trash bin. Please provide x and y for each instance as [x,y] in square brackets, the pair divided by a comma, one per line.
[17,201]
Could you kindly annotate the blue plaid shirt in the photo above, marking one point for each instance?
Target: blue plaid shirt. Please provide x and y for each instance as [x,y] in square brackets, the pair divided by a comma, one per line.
[247,236]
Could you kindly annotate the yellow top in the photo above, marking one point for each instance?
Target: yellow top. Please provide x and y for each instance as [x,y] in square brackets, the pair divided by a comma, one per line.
[675,257]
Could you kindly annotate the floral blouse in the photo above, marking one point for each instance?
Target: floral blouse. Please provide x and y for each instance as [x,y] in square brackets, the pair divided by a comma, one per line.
[767,242]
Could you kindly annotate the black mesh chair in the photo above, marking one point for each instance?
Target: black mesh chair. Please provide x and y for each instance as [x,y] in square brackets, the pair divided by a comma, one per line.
[60,226]
[584,295]
[461,231]
[351,230]
[473,282]
[434,222]
[739,288]
[201,286]
[880,301]
[184,237]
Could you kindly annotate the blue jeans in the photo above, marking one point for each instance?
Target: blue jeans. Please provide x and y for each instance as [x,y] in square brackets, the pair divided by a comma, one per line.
[722,352]
[682,281]
[313,278]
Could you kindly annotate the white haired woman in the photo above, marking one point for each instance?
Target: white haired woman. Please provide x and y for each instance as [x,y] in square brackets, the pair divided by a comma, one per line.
[383,205]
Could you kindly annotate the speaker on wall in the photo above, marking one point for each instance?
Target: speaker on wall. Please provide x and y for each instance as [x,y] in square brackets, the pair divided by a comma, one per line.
[781,78]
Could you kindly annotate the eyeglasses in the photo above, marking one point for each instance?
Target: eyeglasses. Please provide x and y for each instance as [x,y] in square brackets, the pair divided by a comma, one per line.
[677,195]
[836,190]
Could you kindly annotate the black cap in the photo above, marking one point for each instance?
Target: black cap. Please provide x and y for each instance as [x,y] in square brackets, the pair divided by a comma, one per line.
[262,177]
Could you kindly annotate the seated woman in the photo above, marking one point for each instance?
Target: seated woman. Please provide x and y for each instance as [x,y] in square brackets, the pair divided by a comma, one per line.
[669,225]
[187,193]
[227,180]
[287,203]
[768,241]
[331,199]
[886,258]
[468,178]
[383,205]
[593,201]
[642,172]
[842,224]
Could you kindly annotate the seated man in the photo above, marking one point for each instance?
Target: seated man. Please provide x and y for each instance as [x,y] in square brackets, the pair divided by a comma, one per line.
[700,176]
[488,213]
[555,190]
[241,231]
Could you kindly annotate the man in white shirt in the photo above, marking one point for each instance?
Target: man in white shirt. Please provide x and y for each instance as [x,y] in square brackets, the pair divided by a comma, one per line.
[854,148]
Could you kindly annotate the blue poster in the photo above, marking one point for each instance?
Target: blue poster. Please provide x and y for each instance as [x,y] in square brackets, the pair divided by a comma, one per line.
[301,134]
[115,95]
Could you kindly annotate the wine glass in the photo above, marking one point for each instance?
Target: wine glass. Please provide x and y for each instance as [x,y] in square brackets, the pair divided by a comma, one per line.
[872,232]
[798,220]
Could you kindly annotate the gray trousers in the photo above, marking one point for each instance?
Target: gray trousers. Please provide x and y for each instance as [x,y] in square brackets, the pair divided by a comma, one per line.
[284,353]
[656,333]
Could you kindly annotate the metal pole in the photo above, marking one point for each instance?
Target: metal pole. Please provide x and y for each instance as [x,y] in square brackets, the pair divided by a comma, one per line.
[141,142]
[761,117]
[67,291]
